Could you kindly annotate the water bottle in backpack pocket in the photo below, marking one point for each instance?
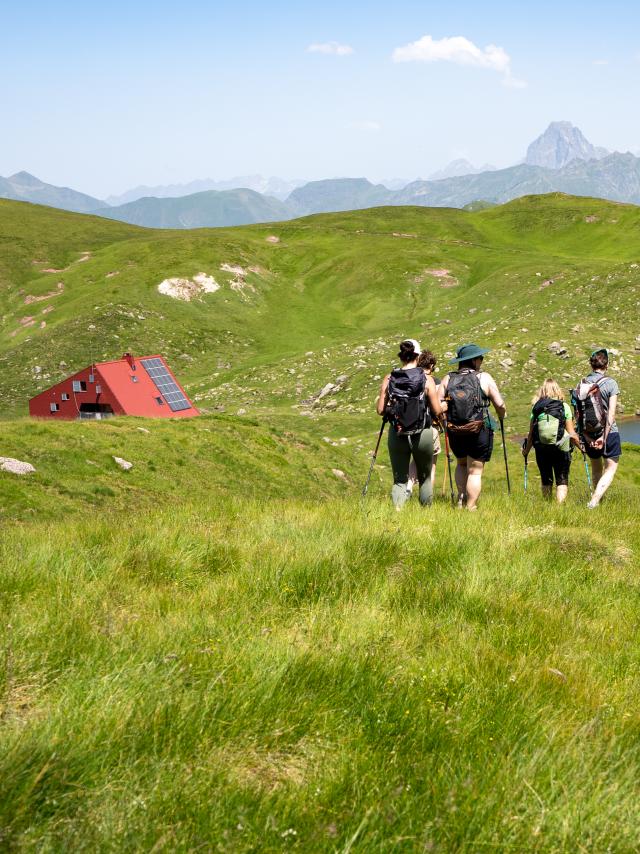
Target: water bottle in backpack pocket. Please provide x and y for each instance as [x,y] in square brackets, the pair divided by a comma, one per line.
[407,407]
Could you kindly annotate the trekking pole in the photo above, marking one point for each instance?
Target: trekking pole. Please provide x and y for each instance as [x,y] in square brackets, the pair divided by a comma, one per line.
[586,468]
[506,461]
[448,453]
[443,490]
[526,468]
[373,458]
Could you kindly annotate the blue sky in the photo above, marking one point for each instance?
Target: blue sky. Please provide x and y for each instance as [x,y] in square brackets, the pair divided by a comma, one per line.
[103,98]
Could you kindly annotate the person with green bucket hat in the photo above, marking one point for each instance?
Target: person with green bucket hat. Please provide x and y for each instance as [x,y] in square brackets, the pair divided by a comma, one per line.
[468,391]
[595,399]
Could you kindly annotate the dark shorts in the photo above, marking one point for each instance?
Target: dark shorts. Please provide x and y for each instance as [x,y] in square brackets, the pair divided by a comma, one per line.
[553,462]
[612,451]
[478,446]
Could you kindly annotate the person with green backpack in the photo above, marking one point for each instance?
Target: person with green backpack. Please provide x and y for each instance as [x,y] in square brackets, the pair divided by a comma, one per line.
[551,435]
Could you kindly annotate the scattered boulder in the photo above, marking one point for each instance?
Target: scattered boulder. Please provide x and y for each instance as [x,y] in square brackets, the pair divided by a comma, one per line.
[15,466]
[507,363]
[339,473]
[557,349]
[327,389]
[124,464]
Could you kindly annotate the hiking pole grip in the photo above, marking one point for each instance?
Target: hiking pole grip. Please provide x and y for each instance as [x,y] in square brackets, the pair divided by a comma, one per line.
[373,458]
[506,461]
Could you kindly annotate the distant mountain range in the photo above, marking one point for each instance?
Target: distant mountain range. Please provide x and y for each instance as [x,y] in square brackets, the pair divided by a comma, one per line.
[23,187]
[560,160]
[201,210]
[280,188]
[337,194]
[615,177]
[459,167]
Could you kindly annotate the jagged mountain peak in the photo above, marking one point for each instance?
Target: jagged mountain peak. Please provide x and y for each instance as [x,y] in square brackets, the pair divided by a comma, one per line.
[561,143]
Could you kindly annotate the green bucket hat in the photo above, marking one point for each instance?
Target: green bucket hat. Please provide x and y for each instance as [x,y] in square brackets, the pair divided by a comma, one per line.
[468,351]
[600,350]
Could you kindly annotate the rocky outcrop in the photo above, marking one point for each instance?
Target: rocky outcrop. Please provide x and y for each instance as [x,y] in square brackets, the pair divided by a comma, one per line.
[12,466]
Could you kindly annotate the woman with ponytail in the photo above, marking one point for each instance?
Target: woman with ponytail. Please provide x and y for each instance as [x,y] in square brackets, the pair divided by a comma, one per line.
[407,399]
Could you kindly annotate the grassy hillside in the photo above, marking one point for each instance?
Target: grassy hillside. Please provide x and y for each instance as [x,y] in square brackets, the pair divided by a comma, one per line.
[224,648]
[303,676]
[199,460]
[323,297]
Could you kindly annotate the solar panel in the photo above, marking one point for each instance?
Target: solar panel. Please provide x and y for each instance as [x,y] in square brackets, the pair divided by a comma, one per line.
[165,384]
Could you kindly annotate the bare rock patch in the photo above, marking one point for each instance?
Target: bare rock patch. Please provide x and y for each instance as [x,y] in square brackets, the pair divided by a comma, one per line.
[188,289]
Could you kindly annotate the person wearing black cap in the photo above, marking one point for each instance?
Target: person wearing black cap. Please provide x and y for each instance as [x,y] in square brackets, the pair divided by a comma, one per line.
[602,445]
[407,399]
[468,393]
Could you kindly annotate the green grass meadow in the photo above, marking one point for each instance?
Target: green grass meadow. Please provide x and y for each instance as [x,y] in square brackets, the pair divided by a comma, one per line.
[308,676]
[226,648]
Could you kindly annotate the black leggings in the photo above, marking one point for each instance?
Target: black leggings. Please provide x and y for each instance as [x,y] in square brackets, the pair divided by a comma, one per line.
[553,462]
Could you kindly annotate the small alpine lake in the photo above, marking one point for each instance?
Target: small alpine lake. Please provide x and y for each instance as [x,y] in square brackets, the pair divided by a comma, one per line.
[630,430]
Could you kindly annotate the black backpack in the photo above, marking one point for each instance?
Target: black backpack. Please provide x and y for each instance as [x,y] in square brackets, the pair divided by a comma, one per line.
[466,401]
[407,407]
[549,421]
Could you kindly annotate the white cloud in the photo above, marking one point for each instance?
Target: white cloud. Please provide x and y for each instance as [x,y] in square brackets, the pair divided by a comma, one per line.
[601,62]
[334,48]
[367,125]
[461,51]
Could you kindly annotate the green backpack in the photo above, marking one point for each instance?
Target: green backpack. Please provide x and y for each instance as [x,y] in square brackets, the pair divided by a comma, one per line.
[549,422]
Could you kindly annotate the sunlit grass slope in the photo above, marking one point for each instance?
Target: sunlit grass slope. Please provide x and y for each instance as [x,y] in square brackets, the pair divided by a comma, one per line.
[224,648]
[307,676]
[333,296]
[174,462]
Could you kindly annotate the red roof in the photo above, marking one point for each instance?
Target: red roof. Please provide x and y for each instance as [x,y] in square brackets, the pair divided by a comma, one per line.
[143,386]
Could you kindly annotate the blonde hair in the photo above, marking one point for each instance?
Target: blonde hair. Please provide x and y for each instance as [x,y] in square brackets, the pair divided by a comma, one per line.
[549,388]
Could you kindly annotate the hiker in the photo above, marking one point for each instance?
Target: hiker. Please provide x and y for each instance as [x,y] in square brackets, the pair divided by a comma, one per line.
[595,399]
[468,392]
[407,397]
[427,361]
[551,434]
